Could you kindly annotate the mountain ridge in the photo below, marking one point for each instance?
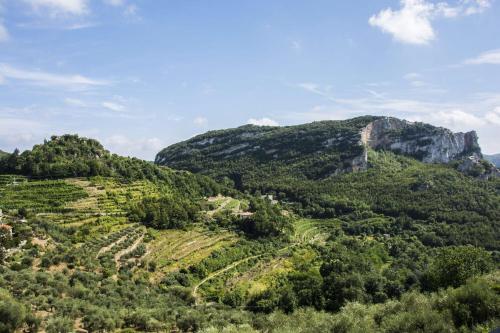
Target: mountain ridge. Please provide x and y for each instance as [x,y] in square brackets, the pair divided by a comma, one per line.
[342,144]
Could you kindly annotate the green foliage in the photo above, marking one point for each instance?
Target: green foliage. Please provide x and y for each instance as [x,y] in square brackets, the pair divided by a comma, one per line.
[453,266]
[59,325]
[255,155]
[164,212]
[73,156]
[384,254]
[12,313]
[267,220]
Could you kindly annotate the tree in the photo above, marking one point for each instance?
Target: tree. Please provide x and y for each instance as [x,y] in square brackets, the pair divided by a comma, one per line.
[12,313]
[452,266]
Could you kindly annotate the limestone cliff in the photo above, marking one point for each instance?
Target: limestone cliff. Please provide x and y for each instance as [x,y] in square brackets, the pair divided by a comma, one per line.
[425,142]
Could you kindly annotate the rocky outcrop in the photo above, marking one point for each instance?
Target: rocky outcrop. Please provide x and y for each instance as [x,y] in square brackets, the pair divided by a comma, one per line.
[477,167]
[425,142]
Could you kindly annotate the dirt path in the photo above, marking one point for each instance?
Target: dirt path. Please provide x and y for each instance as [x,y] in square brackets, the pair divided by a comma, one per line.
[105,249]
[195,294]
[217,273]
[221,207]
[123,252]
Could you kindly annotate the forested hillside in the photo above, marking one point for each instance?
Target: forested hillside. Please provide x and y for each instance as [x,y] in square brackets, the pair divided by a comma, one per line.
[95,242]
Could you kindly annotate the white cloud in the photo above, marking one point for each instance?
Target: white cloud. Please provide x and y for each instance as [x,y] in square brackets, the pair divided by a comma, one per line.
[262,122]
[455,119]
[18,132]
[490,57]
[60,7]
[200,121]
[412,23]
[45,79]
[4,34]
[75,102]
[113,106]
[115,2]
[141,147]
[494,116]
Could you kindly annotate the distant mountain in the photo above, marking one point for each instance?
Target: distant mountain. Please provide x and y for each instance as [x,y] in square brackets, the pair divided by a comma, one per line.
[317,150]
[495,159]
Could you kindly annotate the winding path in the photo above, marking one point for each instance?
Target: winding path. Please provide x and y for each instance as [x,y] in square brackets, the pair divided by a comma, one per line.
[195,294]
[217,273]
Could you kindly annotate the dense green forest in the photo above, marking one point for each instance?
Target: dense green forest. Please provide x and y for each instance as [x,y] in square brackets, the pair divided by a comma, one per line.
[91,241]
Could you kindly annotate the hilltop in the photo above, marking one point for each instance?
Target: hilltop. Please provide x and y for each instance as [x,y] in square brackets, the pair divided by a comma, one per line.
[314,151]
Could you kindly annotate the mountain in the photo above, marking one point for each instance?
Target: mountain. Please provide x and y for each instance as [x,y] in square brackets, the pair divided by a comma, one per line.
[495,159]
[3,154]
[317,150]
[407,171]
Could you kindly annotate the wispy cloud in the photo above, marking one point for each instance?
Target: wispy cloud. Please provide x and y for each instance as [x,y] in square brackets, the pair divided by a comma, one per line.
[4,34]
[130,10]
[478,110]
[59,7]
[415,80]
[113,106]
[75,102]
[412,23]
[490,57]
[115,2]
[200,121]
[46,79]
[262,122]
[18,132]
[141,147]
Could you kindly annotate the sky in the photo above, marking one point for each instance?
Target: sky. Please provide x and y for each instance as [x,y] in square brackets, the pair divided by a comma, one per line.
[139,75]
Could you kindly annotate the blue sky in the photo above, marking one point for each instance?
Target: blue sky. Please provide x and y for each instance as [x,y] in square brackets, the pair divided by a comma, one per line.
[142,74]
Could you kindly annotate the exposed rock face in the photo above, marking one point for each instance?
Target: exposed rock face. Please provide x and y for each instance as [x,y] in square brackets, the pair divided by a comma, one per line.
[427,143]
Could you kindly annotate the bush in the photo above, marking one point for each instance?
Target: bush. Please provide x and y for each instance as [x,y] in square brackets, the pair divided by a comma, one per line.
[452,266]
[59,325]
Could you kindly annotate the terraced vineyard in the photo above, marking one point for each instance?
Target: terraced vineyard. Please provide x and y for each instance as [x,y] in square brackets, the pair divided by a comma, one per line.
[40,196]
[175,249]
[256,273]
[315,230]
